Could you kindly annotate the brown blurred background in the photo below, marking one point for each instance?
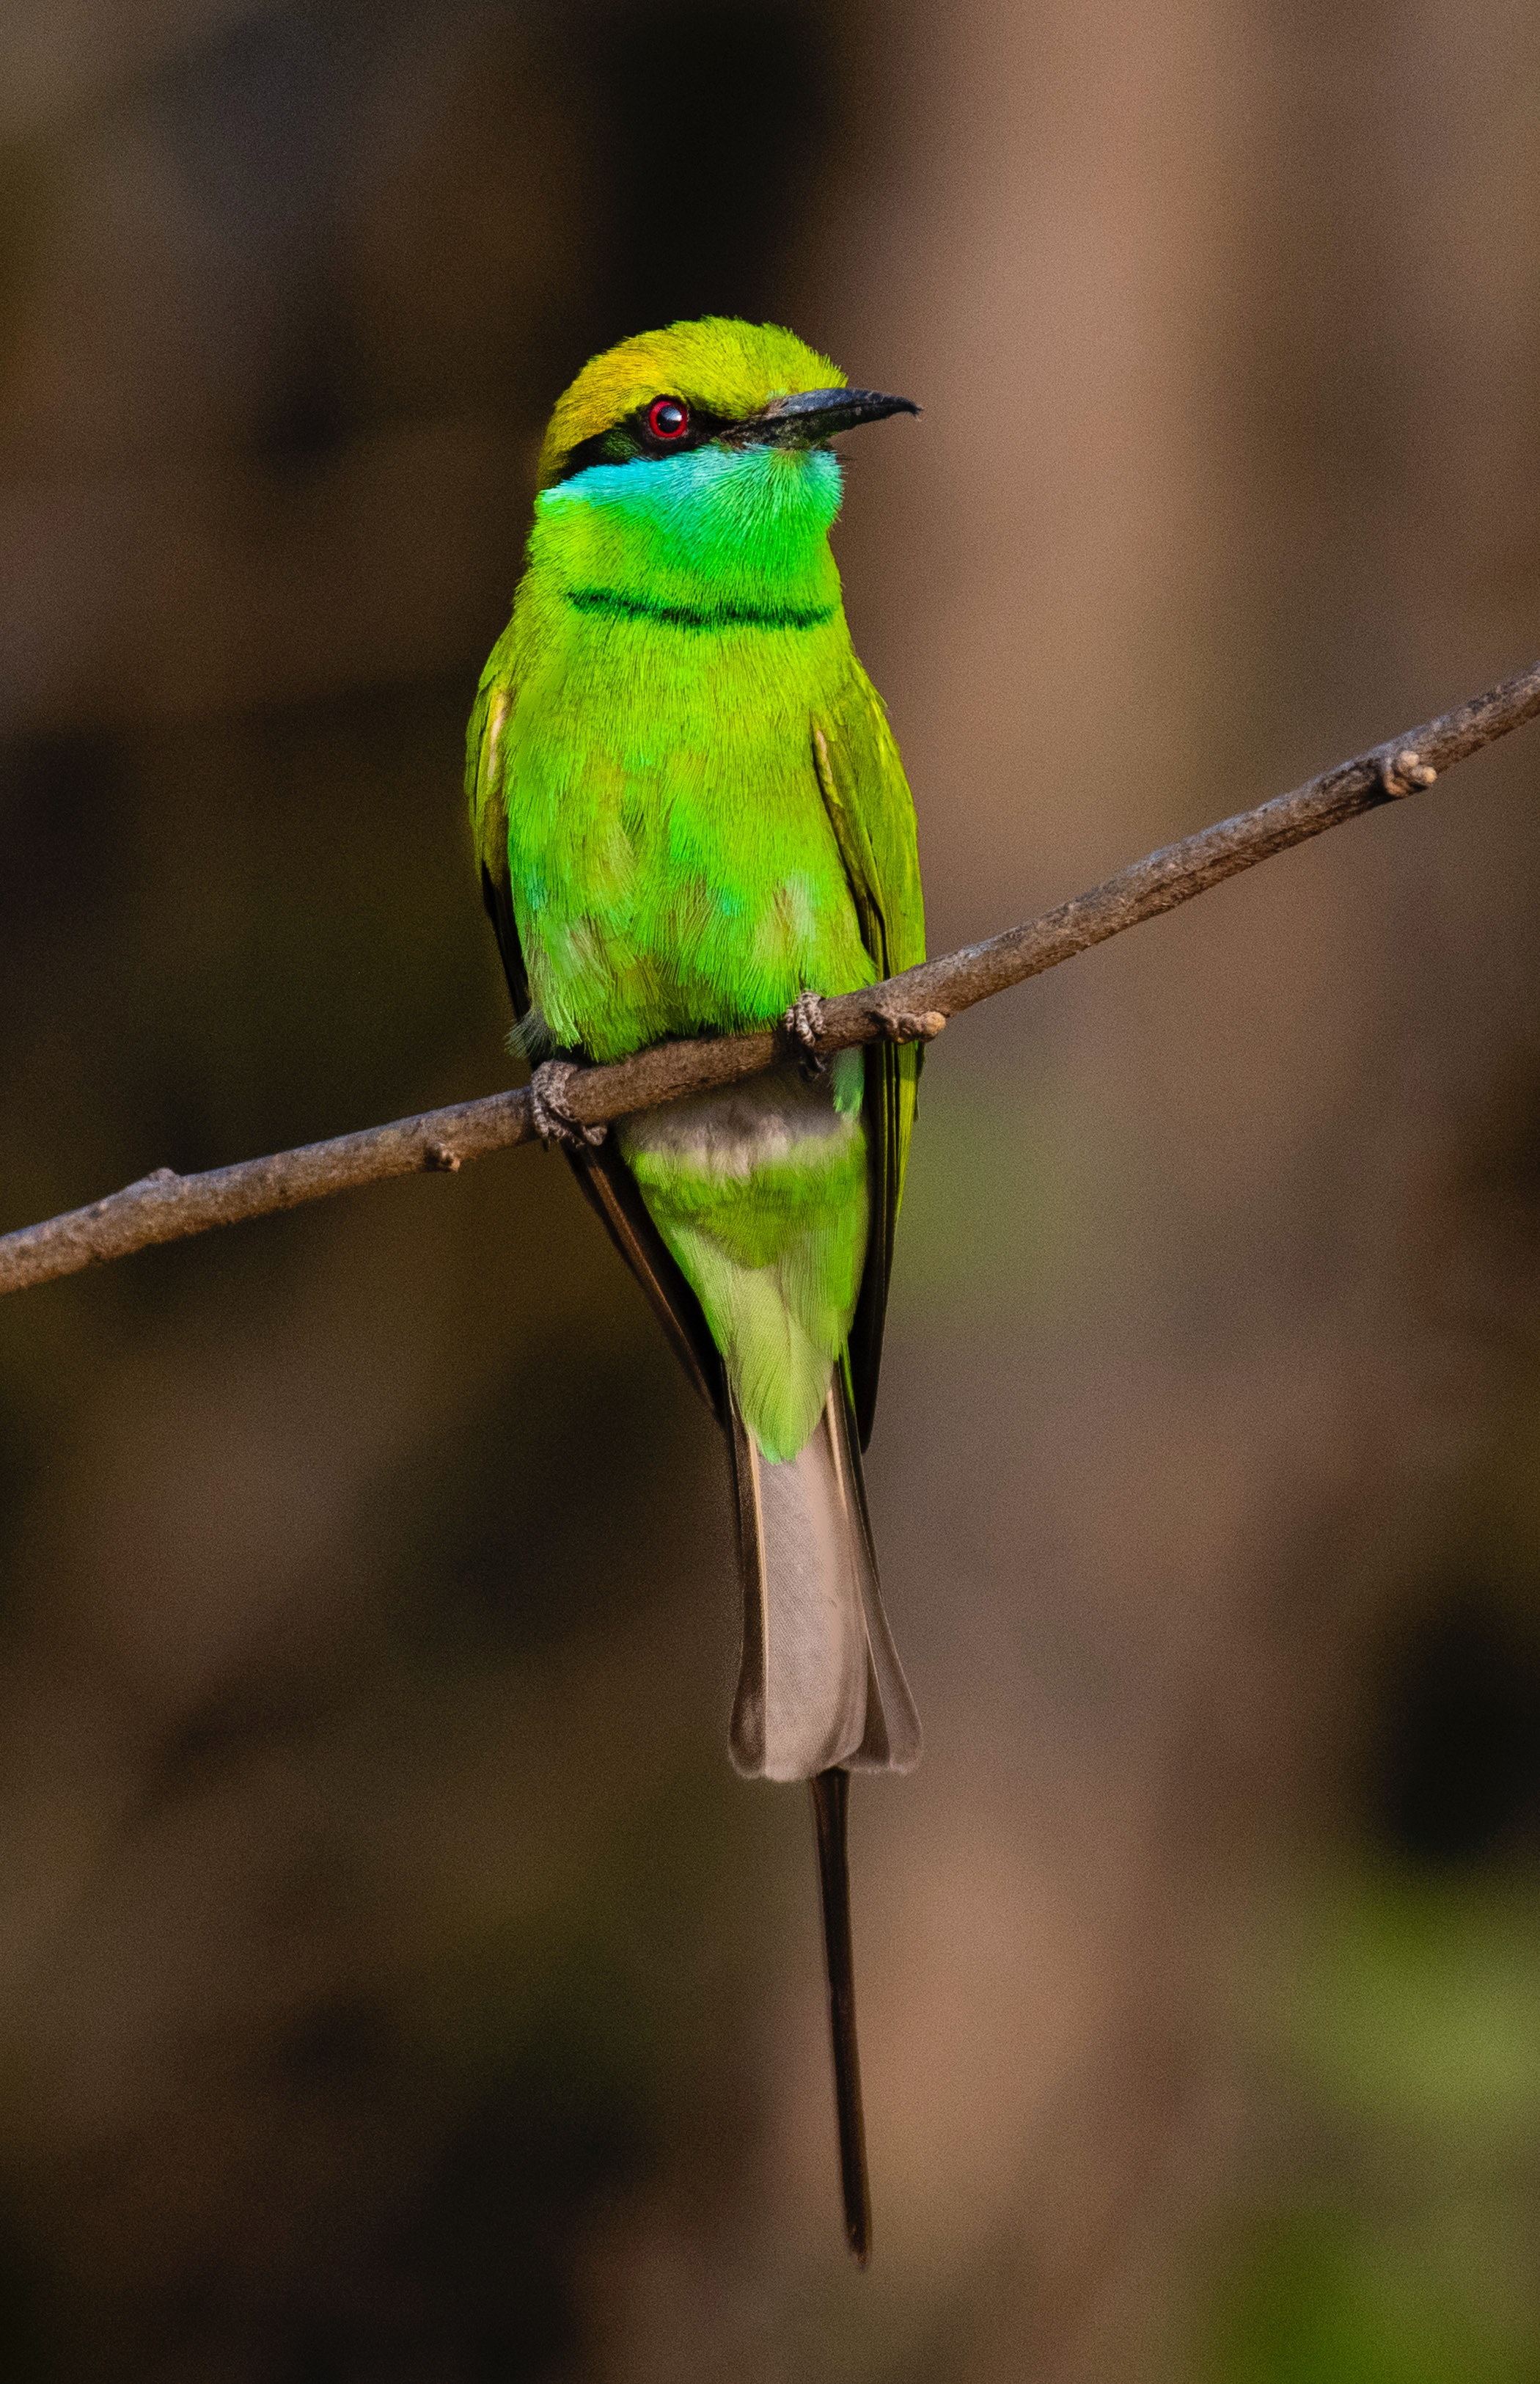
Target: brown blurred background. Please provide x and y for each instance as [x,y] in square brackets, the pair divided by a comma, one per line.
[396,1987]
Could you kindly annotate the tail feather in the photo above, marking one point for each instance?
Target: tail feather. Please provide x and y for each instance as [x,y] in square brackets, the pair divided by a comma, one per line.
[819,1682]
[820,1692]
[830,1798]
[891,1740]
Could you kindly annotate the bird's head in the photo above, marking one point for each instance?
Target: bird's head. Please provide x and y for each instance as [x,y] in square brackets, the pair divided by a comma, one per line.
[716,383]
[698,460]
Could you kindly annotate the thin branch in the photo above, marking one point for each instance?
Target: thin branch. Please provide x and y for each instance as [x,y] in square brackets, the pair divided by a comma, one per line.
[165,1207]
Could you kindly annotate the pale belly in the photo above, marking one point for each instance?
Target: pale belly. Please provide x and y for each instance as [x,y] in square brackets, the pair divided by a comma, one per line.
[760,1192]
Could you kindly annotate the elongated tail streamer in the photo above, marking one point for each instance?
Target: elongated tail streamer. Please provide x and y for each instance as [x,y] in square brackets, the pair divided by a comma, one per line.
[831,1792]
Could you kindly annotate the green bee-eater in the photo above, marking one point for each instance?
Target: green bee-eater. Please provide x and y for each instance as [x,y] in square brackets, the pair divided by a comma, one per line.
[689,811]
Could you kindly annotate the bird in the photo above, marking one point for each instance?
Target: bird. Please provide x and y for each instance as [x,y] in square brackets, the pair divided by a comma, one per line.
[691,818]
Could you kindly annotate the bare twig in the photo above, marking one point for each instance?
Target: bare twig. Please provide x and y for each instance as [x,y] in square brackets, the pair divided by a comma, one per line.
[165,1207]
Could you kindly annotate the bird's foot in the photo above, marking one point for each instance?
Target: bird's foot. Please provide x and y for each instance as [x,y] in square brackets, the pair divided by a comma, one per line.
[554,1120]
[804,1024]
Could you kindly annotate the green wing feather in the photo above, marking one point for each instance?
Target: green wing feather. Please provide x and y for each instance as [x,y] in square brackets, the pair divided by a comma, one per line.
[871,813]
[489,821]
[602,1175]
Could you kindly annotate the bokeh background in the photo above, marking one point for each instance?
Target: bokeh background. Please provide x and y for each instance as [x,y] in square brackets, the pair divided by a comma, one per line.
[396,1987]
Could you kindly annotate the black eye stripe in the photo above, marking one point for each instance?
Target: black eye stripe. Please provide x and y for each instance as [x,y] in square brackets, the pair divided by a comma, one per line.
[630,440]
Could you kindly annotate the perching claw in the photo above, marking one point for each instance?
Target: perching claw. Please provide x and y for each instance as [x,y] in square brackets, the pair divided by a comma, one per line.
[554,1119]
[803,1023]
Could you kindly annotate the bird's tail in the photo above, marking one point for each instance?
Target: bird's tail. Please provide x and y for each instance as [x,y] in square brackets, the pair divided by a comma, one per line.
[820,1693]
[819,1682]
[831,1792]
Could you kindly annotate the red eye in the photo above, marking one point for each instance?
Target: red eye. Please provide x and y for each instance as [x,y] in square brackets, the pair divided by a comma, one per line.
[668,419]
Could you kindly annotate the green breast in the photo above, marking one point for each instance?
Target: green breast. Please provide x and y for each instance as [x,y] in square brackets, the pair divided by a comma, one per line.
[672,867]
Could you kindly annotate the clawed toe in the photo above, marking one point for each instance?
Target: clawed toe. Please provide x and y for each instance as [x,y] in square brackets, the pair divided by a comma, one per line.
[554,1119]
[803,1023]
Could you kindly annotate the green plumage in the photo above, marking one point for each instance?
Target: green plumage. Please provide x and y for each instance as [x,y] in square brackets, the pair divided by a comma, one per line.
[689,808]
[689,811]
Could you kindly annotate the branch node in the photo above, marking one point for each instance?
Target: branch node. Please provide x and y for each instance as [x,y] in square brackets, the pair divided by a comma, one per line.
[155,1182]
[803,1026]
[441,1159]
[910,1025]
[550,1104]
[1402,772]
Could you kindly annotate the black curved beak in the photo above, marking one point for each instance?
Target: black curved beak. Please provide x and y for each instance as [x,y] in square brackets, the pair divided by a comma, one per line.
[815,415]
